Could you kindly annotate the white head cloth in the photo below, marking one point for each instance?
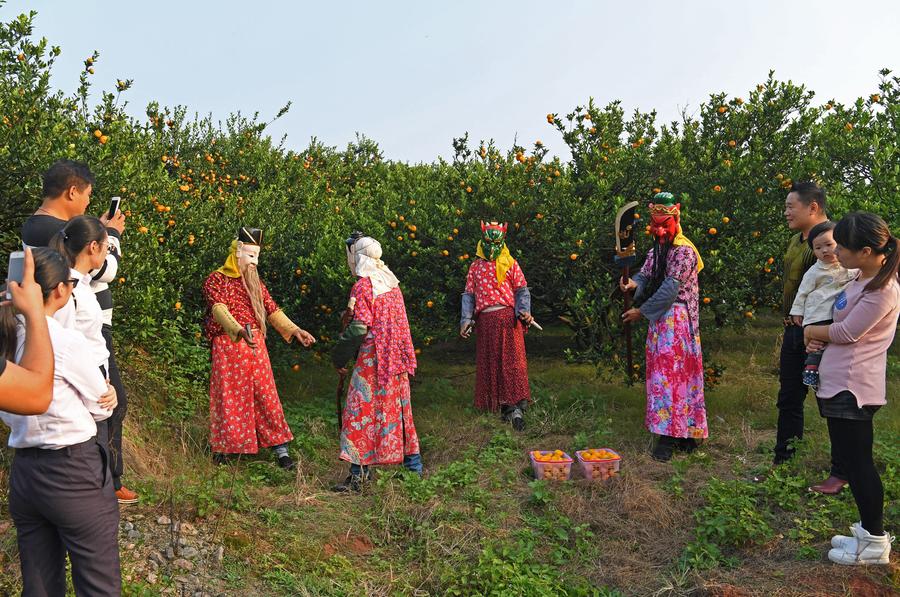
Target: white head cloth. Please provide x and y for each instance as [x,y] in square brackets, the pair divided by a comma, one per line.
[364,259]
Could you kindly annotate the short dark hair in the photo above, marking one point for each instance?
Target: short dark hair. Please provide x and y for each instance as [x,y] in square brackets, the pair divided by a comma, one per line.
[64,174]
[819,229]
[809,192]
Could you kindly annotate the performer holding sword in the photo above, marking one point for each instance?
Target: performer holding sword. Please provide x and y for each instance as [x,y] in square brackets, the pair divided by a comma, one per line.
[244,410]
[497,297]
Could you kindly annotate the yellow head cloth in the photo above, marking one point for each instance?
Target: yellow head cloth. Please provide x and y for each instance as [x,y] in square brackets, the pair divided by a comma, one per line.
[231,268]
[681,240]
[504,262]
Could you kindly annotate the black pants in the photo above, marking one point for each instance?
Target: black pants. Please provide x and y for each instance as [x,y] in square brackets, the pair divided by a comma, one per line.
[852,440]
[113,431]
[62,501]
[791,396]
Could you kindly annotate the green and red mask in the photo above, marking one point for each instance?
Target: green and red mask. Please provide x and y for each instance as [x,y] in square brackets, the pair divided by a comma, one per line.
[665,216]
[493,238]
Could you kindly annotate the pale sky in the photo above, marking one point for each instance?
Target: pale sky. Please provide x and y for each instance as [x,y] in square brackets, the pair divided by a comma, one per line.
[414,74]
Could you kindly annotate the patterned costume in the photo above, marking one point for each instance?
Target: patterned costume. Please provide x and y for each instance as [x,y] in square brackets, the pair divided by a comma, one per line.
[377,421]
[497,298]
[244,408]
[669,296]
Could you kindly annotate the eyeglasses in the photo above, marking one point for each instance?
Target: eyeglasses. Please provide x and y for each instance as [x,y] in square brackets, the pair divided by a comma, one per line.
[73,282]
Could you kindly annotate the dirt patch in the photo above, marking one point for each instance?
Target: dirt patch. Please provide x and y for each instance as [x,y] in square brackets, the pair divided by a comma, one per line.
[357,545]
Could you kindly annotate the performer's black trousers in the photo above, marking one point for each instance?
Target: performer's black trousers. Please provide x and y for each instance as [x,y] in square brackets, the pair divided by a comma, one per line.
[113,424]
[791,396]
[62,501]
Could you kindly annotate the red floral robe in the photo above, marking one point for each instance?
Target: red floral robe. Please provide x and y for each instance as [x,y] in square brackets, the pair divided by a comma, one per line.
[244,410]
[378,424]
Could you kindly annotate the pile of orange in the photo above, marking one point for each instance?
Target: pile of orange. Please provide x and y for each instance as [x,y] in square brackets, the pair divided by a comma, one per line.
[555,456]
[594,455]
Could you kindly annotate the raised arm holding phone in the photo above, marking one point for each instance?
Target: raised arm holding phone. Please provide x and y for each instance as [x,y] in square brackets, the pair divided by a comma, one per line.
[27,387]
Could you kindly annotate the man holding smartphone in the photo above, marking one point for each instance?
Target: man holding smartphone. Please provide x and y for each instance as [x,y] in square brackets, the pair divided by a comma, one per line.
[66,194]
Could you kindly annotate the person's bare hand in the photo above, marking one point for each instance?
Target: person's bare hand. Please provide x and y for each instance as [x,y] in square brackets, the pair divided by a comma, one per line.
[526,318]
[304,337]
[341,370]
[108,400]
[117,222]
[631,315]
[797,320]
[465,330]
[247,337]
[27,297]
[627,286]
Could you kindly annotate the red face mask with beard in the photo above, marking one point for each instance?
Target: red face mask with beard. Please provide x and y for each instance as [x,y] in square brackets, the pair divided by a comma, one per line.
[664,224]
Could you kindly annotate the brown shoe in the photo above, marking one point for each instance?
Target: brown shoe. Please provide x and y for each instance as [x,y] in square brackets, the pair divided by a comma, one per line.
[126,496]
[830,486]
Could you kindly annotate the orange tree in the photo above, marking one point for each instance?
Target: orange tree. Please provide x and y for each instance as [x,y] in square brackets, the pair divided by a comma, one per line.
[187,184]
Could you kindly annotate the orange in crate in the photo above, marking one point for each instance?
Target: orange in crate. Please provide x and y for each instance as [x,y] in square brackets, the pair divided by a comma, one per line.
[551,465]
[599,464]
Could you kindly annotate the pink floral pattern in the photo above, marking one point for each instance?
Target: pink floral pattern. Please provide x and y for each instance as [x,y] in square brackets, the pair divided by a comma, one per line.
[681,265]
[675,399]
[482,282]
[386,318]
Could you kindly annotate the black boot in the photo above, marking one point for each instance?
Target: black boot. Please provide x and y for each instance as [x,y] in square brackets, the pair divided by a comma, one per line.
[662,451]
[686,444]
[515,415]
[286,462]
[353,483]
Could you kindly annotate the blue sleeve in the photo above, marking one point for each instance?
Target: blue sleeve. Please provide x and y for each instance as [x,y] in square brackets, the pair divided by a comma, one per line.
[657,305]
[468,308]
[523,300]
[641,281]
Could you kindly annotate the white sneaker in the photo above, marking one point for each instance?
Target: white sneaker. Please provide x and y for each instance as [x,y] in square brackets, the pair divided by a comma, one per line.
[869,549]
[844,542]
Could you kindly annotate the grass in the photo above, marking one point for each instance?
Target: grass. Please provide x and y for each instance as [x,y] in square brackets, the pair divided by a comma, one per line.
[478,523]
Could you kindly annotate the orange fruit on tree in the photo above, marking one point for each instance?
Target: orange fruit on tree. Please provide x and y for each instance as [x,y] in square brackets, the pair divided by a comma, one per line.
[759,190]
[849,126]
[706,300]
[178,306]
[143,230]
[713,231]
[717,188]
[98,133]
[445,252]
[550,118]
[103,139]
[295,367]
[722,109]
[726,220]
[573,256]
[429,304]
[770,260]
[732,143]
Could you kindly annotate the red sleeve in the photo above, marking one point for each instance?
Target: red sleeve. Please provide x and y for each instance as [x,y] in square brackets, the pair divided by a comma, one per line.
[214,290]
[270,305]
[470,279]
[516,276]
[364,307]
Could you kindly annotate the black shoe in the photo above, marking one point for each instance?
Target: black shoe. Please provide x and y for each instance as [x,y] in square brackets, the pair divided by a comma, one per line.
[286,462]
[686,444]
[662,451]
[353,483]
[518,419]
[221,459]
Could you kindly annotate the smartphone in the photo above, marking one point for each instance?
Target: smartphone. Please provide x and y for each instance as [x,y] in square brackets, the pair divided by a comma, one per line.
[113,207]
[16,269]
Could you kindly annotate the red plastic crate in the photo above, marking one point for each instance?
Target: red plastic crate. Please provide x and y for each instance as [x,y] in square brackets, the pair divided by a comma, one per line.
[551,470]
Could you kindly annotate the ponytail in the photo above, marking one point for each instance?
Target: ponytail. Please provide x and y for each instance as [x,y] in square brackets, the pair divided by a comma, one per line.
[78,233]
[860,229]
[50,270]
[888,271]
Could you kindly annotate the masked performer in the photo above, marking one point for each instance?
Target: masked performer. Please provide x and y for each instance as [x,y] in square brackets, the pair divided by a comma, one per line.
[244,408]
[377,422]
[497,297]
[667,292]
